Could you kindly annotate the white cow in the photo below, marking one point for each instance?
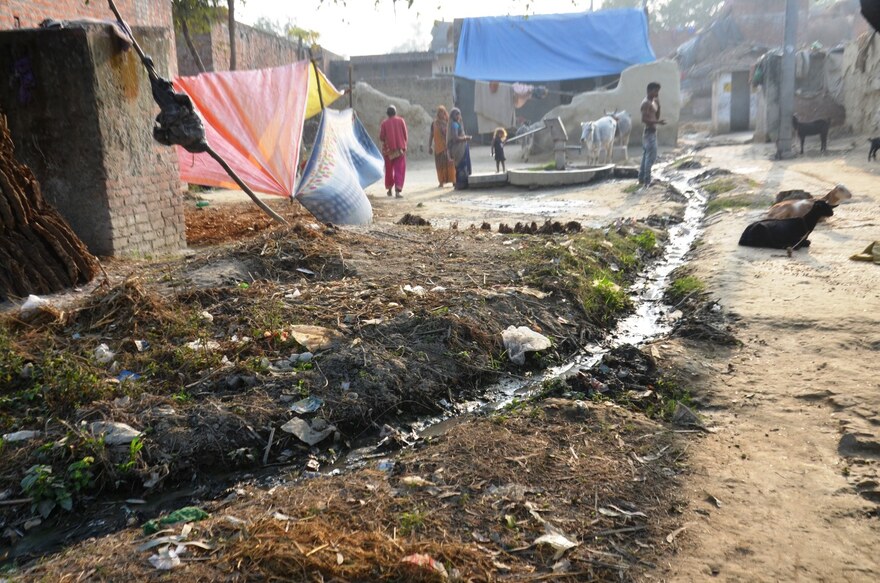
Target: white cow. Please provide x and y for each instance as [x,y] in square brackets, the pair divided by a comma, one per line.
[624,129]
[525,144]
[598,136]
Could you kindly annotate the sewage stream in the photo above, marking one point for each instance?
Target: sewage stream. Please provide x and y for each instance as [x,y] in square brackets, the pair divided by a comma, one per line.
[648,321]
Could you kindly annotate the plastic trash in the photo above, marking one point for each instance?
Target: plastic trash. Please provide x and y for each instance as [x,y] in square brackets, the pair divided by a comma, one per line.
[557,542]
[103,354]
[414,290]
[202,204]
[518,341]
[310,434]
[307,405]
[165,560]
[314,337]
[185,514]
[32,304]
[127,375]
[206,345]
[141,345]
[24,435]
[114,433]
[426,564]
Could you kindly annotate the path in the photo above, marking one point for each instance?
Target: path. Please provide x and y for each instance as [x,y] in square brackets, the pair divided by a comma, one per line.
[795,461]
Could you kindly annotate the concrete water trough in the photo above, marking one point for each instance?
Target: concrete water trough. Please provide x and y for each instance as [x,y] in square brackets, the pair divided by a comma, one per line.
[570,176]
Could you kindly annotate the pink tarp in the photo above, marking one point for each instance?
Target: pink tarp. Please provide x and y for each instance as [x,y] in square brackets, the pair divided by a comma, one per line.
[254,120]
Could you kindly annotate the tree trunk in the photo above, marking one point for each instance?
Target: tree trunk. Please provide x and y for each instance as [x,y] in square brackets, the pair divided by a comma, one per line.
[232,61]
[39,252]
[184,29]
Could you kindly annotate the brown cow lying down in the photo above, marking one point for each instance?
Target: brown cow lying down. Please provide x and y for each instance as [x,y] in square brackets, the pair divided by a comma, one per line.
[789,209]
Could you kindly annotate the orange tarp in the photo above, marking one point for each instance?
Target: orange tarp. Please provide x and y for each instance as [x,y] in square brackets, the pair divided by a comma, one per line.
[254,120]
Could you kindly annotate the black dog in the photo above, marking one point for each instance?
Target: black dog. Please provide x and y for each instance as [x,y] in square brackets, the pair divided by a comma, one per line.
[875,145]
[785,233]
[811,128]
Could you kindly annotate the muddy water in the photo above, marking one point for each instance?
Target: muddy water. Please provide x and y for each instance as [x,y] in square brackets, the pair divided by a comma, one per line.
[648,321]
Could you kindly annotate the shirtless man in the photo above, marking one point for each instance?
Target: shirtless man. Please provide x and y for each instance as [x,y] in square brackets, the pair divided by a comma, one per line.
[651,118]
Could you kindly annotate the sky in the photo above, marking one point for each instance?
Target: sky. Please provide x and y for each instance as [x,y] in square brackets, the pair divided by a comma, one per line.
[362,28]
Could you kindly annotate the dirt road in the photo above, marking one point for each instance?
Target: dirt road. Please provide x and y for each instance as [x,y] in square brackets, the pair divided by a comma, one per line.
[794,464]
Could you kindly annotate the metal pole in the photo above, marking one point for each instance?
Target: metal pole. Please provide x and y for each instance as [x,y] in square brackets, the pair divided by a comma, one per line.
[350,87]
[787,88]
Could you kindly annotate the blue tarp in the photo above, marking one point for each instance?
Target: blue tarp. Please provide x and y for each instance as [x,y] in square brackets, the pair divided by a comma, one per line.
[345,161]
[553,47]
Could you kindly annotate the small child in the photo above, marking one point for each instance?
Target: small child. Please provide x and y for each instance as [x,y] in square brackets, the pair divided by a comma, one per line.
[498,149]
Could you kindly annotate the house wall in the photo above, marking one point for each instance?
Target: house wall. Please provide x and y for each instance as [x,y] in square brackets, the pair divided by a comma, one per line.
[83,124]
[721,103]
[255,49]
[861,93]
[628,96]
[391,67]
[29,13]
[428,93]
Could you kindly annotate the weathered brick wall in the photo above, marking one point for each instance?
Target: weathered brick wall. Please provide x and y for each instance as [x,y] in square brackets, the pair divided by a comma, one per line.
[81,116]
[31,12]
[429,93]
[143,187]
[255,49]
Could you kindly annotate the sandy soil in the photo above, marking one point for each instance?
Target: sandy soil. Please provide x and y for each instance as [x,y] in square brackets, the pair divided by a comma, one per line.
[794,464]
[592,204]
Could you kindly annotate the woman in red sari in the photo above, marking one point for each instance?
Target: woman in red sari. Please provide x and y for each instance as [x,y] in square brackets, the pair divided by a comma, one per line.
[437,146]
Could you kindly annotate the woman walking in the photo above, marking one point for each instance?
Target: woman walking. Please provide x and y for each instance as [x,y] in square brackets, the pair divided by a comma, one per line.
[457,146]
[437,146]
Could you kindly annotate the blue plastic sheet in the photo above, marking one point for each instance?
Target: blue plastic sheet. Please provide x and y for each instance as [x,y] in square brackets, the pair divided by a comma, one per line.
[553,47]
[345,161]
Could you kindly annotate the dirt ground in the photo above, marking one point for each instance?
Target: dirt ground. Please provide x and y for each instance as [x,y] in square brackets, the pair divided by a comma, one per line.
[783,486]
[794,464]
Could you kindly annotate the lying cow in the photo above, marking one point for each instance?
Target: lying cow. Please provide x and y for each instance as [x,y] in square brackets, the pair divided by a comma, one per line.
[792,208]
[598,136]
[785,233]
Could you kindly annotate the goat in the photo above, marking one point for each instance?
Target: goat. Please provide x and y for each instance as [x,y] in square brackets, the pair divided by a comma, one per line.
[624,129]
[875,145]
[785,233]
[599,135]
[790,209]
[811,128]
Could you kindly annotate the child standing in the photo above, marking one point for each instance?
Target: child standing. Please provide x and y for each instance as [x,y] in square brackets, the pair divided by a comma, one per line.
[498,149]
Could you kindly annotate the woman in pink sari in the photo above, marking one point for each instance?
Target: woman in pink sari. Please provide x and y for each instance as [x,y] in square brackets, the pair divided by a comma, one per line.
[437,146]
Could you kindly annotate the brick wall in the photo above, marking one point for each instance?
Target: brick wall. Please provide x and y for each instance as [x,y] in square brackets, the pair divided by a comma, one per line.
[31,12]
[429,93]
[256,50]
[84,127]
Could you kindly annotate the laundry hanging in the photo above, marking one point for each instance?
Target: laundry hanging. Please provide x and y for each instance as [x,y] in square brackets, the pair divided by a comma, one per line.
[344,161]
[254,120]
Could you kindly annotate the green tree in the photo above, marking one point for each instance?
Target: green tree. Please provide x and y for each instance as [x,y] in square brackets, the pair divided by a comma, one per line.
[194,17]
[667,14]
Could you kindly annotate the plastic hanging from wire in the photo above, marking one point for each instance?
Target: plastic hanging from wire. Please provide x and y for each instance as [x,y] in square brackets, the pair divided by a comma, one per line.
[344,161]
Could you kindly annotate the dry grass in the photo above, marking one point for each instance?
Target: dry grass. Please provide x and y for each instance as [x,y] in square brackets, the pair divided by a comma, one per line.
[555,463]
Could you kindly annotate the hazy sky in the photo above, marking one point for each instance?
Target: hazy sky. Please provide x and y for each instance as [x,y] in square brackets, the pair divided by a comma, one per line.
[362,28]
